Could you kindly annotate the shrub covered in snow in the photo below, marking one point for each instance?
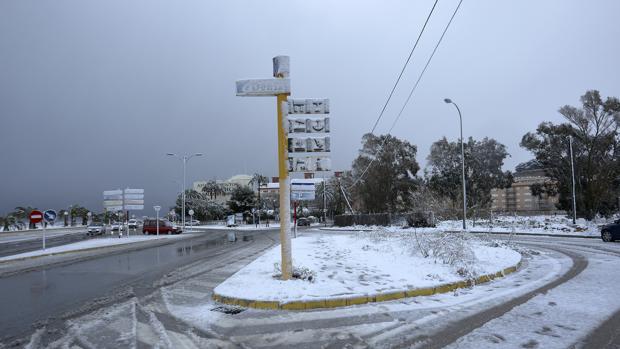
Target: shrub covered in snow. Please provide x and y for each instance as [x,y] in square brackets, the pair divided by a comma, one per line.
[455,249]
[300,273]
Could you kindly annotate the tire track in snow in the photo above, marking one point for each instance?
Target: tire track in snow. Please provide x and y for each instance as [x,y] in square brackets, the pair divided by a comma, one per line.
[456,330]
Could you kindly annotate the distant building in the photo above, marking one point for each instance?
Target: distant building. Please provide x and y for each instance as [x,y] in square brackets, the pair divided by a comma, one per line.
[518,198]
[227,186]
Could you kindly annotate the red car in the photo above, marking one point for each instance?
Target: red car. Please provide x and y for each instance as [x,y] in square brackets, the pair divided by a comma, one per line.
[165,227]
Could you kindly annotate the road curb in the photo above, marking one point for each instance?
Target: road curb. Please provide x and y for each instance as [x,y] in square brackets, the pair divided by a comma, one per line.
[348,301]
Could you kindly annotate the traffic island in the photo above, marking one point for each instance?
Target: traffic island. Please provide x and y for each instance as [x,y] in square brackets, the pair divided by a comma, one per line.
[344,270]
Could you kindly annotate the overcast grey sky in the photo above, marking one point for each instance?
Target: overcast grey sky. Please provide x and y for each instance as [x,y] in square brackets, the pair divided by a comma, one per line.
[94,93]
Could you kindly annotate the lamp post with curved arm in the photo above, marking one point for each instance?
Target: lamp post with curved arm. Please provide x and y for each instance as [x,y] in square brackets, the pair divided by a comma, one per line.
[449,101]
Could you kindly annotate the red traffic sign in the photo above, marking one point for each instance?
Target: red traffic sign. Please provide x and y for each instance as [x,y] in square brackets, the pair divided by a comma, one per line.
[36,216]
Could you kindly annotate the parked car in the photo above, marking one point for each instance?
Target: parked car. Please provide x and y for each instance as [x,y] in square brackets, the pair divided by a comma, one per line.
[303,221]
[116,226]
[95,229]
[133,224]
[165,227]
[192,222]
[611,232]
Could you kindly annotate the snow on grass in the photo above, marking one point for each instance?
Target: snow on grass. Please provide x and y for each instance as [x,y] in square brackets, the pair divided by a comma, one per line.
[552,225]
[368,264]
[547,225]
[88,244]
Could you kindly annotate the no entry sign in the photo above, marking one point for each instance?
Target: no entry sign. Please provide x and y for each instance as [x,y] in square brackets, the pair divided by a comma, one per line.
[36,216]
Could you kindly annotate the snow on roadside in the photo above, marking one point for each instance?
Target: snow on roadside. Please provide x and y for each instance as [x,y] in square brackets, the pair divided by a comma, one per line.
[94,243]
[547,225]
[239,227]
[531,224]
[365,264]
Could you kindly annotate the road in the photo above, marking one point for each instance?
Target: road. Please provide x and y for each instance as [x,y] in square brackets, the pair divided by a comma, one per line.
[161,297]
[96,282]
[24,241]
[30,240]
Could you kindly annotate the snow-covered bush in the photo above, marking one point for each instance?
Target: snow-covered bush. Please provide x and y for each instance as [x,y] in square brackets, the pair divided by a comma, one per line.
[454,249]
[300,273]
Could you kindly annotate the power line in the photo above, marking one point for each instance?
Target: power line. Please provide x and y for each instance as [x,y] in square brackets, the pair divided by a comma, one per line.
[403,70]
[425,67]
[411,92]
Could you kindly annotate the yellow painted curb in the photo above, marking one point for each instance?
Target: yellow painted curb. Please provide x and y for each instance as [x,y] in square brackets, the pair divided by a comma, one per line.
[381,297]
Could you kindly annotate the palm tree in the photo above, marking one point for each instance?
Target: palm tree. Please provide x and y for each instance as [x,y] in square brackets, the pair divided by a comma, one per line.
[22,213]
[258,180]
[78,211]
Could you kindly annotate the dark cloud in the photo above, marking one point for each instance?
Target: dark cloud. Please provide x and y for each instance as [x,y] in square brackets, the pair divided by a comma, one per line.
[93,94]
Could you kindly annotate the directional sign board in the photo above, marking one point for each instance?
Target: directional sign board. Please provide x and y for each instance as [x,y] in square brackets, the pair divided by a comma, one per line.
[310,144]
[309,164]
[308,125]
[50,216]
[133,199]
[308,106]
[113,200]
[36,216]
[303,191]
[303,151]
[123,200]
[263,87]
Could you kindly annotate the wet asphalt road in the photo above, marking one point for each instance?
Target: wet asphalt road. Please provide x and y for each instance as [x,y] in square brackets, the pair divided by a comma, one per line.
[28,298]
[25,241]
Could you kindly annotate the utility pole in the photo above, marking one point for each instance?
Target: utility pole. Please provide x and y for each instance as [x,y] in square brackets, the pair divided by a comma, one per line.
[572,168]
[324,201]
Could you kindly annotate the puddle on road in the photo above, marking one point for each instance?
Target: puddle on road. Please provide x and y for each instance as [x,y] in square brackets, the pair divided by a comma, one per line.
[195,248]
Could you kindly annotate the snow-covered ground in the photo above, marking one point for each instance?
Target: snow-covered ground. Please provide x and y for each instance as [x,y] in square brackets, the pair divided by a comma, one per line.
[39,227]
[532,224]
[363,264]
[547,225]
[88,244]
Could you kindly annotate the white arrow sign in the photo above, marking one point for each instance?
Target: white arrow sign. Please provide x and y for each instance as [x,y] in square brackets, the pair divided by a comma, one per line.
[263,87]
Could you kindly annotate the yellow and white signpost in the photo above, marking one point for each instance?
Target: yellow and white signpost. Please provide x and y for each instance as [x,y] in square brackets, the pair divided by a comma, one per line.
[281,88]
[307,148]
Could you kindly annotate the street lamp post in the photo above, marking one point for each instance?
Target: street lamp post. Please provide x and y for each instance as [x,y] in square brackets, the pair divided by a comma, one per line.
[191,220]
[157,208]
[449,101]
[185,159]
